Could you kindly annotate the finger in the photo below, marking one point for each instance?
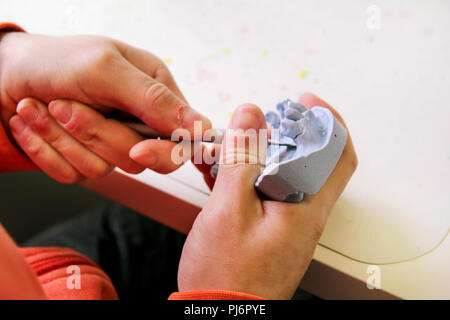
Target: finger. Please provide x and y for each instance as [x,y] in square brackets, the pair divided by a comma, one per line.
[151,65]
[120,84]
[336,182]
[107,138]
[242,159]
[37,117]
[41,153]
[310,100]
[157,155]
[210,156]
[165,156]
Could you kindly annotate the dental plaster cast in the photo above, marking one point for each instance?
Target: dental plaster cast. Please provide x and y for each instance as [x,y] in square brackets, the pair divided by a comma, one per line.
[292,172]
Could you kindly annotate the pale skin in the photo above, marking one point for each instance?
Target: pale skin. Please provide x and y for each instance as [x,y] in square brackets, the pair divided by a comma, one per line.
[61,87]
[55,92]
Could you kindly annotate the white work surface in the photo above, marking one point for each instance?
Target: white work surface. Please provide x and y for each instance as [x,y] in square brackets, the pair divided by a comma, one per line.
[391,85]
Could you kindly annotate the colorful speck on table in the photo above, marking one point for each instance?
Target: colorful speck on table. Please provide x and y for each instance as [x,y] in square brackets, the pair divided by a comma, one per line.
[303,73]
[167,60]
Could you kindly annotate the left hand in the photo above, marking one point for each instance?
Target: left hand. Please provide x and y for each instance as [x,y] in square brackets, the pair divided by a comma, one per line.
[75,76]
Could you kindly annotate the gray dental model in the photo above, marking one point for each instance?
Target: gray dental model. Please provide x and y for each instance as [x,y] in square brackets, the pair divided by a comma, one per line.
[292,172]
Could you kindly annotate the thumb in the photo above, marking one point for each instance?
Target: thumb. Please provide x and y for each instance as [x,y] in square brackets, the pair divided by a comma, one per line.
[243,152]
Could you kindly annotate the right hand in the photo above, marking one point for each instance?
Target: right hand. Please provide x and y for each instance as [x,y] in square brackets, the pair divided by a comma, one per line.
[261,247]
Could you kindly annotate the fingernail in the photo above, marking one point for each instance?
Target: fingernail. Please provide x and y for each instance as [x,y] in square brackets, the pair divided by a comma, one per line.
[143,156]
[61,110]
[28,111]
[17,125]
[246,118]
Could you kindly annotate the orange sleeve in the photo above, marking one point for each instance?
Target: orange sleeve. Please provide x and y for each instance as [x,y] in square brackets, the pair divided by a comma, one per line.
[17,279]
[212,295]
[11,159]
[9,26]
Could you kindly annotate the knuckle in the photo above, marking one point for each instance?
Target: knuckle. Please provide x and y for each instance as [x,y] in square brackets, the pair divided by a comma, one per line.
[157,95]
[71,177]
[353,163]
[316,231]
[104,57]
[163,74]
[42,125]
[86,134]
[96,59]
[33,150]
[107,168]
[98,170]
[31,147]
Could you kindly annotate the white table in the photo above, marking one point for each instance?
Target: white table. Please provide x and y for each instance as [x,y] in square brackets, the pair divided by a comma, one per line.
[389,78]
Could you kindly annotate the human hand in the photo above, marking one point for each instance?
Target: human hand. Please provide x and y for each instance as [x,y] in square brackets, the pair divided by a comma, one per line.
[84,73]
[241,243]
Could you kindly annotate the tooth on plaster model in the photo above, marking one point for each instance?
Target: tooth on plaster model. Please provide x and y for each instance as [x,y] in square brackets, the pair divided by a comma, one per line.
[290,128]
[273,119]
[292,172]
[293,114]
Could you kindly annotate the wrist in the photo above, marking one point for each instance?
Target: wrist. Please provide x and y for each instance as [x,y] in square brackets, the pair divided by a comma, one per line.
[7,109]
[6,30]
